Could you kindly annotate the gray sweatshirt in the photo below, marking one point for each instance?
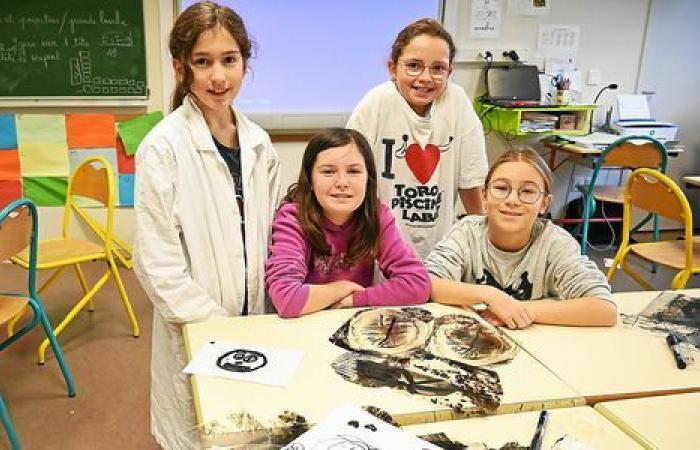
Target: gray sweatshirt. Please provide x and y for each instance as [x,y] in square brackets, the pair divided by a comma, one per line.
[549,266]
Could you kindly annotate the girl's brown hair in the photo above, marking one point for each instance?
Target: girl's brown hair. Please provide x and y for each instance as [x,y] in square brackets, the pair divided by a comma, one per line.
[527,155]
[364,239]
[428,26]
[189,25]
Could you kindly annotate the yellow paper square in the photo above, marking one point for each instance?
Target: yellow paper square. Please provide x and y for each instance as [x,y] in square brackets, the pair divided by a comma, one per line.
[41,128]
[44,160]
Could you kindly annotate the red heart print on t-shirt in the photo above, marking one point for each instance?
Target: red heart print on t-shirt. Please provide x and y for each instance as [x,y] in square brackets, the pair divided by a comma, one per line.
[422,162]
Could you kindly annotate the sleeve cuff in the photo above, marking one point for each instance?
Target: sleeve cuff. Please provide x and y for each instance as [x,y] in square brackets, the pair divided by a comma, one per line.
[360,298]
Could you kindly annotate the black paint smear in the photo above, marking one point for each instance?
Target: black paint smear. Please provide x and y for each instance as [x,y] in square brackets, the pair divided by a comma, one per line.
[290,426]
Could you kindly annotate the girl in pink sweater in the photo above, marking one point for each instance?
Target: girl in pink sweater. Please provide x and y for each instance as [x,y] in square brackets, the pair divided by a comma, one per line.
[330,231]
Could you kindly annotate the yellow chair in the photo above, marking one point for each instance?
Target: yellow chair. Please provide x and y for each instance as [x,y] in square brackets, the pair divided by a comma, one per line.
[652,191]
[92,184]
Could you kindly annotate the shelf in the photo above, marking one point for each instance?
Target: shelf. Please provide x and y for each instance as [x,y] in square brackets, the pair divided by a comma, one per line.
[514,121]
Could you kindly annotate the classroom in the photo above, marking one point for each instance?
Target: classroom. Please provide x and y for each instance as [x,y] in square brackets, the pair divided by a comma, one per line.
[81,82]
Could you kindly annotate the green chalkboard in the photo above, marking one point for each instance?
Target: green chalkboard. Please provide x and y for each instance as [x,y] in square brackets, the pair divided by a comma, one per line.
[72,48]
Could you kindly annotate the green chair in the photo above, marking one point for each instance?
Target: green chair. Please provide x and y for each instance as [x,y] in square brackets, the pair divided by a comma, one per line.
[18,230]
[629,152]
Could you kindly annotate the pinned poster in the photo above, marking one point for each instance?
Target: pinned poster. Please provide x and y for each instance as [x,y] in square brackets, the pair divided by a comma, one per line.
[44,159]
[90,131]
[46,191]
[8,132]
[10,190]
[133,131]
[41,129]
[9,165]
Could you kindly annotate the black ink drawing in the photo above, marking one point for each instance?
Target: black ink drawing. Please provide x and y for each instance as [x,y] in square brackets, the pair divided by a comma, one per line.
[445,443]
[670,312]
[410,350]
[241,360]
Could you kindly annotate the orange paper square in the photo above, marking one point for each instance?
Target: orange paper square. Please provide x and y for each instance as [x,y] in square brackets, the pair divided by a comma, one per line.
[90,131]
[9,165]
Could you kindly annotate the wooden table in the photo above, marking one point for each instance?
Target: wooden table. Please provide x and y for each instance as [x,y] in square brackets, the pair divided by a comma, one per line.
[658,422]
[611,363]
[582,423]
[315,390]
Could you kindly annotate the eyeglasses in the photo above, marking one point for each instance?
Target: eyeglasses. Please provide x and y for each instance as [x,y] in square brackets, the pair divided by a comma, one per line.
[416,68]
[528,193]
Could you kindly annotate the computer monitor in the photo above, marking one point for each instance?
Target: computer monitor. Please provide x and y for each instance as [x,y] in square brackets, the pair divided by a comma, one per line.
[507,84]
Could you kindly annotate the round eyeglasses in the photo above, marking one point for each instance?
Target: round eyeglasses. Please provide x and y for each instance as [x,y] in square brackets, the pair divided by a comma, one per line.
[416,68]
[528,193]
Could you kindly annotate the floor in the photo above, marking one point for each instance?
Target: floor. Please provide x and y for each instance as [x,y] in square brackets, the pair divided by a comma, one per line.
[110,368]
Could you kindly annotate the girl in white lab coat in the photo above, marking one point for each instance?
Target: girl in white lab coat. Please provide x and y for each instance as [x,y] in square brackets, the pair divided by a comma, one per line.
[206,191]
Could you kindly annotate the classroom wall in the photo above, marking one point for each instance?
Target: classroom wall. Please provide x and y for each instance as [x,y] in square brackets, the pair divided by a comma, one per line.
[614,39]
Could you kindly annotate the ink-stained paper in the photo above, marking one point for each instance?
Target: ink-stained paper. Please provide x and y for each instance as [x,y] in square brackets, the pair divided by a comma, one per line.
[247,362]
[126,189]
[90,131]
[350,427]
[46,191]
[10,190]
[44,159]
[133,131]
[126,163]
[9,165]
[41,129]
[8,132]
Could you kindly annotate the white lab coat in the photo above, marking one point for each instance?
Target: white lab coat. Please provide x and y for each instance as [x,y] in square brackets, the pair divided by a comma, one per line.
[189,254]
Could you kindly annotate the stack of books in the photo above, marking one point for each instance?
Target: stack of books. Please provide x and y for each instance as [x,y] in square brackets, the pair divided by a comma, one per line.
[537,122]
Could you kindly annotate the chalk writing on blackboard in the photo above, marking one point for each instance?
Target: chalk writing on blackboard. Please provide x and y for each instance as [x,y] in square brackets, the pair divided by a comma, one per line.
[73,48]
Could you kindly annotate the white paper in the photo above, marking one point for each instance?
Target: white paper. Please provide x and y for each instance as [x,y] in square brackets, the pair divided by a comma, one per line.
[246,362]
[633,107]
[349,426]
[485,20]
[558,40]
[527,7]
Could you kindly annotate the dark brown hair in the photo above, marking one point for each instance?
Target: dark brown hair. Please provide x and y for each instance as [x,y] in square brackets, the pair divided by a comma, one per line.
[428,26]
[527,155]
[364,239]
[191,23]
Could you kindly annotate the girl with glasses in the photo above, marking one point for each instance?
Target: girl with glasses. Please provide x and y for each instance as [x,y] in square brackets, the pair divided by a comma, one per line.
[511,256]
[427,141]
[331,232]
[205,195]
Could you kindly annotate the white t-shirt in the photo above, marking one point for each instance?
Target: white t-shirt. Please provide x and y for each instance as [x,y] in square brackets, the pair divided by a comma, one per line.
[422,161]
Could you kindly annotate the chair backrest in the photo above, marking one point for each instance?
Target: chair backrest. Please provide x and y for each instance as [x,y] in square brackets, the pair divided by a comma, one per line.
[92,184]
[652,191]
[632,152]
[19,229]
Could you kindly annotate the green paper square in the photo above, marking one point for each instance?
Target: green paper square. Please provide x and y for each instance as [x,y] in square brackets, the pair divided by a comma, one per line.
[46,191]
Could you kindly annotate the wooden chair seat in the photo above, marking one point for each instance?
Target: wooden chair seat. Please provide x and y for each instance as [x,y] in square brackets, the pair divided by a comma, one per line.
[668,253]
[612,194]
[10,306]
[54,253]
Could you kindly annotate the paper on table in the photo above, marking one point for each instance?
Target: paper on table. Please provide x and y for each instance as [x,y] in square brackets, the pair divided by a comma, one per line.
[348,426]
[633,107]
[248,362]
[133,131]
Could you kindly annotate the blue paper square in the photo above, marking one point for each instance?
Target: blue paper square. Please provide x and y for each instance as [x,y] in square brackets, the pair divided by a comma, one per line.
[8,132]
[126,189]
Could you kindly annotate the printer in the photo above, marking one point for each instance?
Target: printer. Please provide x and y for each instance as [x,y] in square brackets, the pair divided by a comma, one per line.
[635,119]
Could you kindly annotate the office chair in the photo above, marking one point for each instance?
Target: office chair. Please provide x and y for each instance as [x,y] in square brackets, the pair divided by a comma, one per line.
[652,191]
[92,184]
[629,152]
[18,230]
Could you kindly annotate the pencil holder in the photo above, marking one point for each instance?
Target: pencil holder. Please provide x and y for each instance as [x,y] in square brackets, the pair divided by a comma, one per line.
[563,97]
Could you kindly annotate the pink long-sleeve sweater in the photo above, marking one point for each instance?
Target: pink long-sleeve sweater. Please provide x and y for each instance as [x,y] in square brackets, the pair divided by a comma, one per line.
[292,265]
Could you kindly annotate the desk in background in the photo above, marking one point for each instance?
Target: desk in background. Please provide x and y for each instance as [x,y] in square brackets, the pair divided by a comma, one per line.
[611,363]
[582,423]
[692,182]
[315,389]
[669,421]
